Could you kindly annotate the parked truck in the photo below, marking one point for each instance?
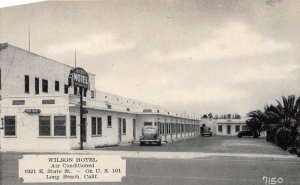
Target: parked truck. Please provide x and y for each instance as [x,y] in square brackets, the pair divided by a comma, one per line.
[205,131]
[150,135]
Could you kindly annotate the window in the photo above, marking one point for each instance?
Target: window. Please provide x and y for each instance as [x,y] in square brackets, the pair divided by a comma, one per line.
[237,128]
[48,101]
[124,126]
[45,85]
[75,90]
[37,86]
[147,123]
[9,125]
[66,89]
[56,85]
[59,125]
[18,102]
[244,127]
[108,121]
[220,128]
[73,126]
[44,125]
[84,92]
[96,126]
[70,80]
[92,94]
[26,84]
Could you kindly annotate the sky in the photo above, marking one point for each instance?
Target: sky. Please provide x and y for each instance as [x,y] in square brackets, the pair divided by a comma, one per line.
[190,56]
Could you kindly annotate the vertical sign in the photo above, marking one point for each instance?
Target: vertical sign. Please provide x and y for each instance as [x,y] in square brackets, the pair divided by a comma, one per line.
[79,78]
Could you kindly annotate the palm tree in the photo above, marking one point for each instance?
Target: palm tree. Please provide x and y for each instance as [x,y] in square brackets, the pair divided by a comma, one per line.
[282,122]
[288,110]
[267,119]
[257,121]
[286,115]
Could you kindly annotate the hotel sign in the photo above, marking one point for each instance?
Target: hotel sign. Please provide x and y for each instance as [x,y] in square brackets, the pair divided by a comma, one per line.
[32,111]
[80,78]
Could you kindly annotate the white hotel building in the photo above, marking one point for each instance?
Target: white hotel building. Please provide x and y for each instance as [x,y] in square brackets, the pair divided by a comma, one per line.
[39,111]
[230,127]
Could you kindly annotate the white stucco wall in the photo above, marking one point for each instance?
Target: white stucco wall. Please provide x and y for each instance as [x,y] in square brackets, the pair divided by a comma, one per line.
[27,125]
[16,63]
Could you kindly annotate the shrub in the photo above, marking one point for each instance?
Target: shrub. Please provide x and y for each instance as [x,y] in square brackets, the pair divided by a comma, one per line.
[284,138]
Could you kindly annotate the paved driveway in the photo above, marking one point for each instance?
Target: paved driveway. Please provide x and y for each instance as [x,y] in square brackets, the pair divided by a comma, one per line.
[214,170]
[215,144]
[202,171]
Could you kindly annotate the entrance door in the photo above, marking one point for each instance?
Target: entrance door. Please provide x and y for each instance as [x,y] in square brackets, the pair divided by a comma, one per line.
[134,129]
[166,130]
[228,129]
[119,130]
[176,129]
[84,129]
[172,130]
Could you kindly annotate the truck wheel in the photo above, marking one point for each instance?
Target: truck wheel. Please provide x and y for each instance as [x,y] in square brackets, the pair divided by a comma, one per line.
[142,144]
[159,143]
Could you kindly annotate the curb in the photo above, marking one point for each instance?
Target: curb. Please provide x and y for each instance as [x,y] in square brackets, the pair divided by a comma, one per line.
[161,155]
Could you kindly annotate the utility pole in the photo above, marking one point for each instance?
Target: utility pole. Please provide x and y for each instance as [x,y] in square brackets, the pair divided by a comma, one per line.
[29,37]
[75,58]
[81,120]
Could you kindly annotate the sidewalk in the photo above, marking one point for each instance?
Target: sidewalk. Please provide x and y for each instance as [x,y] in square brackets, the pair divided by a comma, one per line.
[160,155]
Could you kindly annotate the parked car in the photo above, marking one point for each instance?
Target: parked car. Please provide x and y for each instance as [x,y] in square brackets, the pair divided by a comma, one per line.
[246,133]
[150,134]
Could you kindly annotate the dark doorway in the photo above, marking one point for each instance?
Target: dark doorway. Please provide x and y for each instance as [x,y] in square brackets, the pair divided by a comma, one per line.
[84,129]
[119,130]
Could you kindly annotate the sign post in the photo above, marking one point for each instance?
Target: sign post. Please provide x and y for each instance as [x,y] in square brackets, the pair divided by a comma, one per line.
[81,120]
[79,78]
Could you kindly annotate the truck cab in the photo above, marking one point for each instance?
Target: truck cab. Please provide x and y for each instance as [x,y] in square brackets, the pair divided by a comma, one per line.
[205,131]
